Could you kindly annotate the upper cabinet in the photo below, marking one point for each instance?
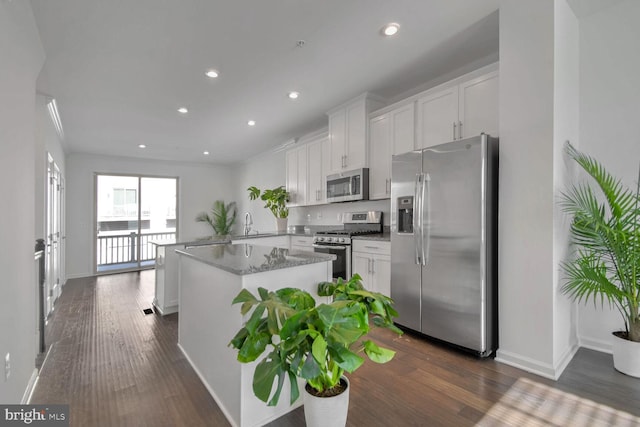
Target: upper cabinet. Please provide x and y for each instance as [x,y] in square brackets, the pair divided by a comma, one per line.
[296,176]
[306,172]
[348,134]
[389,133]
[458,112]
[317,156]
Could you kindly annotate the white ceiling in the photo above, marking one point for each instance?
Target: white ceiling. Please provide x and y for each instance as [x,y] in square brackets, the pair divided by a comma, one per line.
[119,69]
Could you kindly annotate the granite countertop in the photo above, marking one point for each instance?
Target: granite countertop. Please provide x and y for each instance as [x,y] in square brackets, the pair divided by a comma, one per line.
[196,241]
[385,237]
[242,259]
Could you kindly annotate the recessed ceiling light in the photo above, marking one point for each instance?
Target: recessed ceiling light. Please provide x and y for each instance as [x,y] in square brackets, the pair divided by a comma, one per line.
[182,110]
[390,29]
[142,146]
[212,73]
[206,153]
[293,95]
[251,122]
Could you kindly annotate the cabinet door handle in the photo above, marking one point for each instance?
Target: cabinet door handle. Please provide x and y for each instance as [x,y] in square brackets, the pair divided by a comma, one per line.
[459,130]
[373,266]
[369,265]
[454,130]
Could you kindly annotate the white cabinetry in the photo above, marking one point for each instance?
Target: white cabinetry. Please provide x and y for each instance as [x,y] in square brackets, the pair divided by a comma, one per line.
[389,133]
[296,176]
[460,111]
[371,259]
[348,133]
[317,160]
[302,243]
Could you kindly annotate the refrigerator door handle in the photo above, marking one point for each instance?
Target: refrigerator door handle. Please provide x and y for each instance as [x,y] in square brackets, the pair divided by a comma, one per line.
[417,219]
[426,184]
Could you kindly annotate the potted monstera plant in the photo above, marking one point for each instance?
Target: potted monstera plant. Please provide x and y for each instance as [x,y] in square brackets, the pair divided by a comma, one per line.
[276,201]
[605,230]
[317,343]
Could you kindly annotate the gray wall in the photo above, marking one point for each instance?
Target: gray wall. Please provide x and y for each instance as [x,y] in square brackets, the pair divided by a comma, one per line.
[22,57]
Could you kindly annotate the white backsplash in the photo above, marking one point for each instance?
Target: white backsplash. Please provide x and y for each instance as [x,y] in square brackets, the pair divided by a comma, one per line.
[331,214]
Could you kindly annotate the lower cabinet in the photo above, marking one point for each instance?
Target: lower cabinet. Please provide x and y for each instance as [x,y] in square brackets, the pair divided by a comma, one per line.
[372,261]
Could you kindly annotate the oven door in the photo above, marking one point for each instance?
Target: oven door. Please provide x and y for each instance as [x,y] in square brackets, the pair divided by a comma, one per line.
[342,263]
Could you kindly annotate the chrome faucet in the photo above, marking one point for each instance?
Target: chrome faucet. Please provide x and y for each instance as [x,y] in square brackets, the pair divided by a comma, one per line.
[248,221]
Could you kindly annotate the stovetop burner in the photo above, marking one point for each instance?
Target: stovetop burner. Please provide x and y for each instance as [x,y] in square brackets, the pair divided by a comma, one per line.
[355,224]
[345,232]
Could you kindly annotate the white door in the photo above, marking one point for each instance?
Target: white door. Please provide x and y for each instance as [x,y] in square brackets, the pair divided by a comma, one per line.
[437,118]
[379,157]
[337,140]
[478,108]
[403,130]
[315,160]
[362,265]
[52,241]
[381,274]
[291,172]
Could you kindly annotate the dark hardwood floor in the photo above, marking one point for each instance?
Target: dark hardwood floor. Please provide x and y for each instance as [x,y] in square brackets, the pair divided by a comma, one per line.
[116,366]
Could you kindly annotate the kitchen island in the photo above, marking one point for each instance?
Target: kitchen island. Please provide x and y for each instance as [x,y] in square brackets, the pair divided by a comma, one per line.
[165,300]
[210,278]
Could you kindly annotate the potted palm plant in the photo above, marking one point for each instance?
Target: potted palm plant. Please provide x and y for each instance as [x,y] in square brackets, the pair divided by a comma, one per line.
[317,343]
[606,232]
[221,219]
[275,200]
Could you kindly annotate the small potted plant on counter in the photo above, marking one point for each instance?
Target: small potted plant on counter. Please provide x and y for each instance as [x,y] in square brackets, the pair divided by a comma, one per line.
[317,343]
[606,265]
[221,219]
[275,200]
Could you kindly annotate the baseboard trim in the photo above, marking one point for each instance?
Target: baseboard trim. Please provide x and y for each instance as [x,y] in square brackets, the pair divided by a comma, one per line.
[565,359]
[31,386]
[595,344]
[526,363]
[209,389]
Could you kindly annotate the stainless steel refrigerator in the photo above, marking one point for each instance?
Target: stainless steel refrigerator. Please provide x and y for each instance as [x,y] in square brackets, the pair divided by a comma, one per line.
[444,242]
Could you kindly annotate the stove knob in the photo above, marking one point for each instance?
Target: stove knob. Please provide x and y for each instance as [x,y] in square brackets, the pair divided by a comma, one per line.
[329,239]
[320,239]
[342,240]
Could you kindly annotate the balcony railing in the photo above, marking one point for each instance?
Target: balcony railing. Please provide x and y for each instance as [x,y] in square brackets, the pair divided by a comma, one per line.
[115,249]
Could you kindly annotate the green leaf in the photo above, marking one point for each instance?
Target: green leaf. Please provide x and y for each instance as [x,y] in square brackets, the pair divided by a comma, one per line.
[244,296]
[319,349]
[310,368]
[345,358]
[264,375]
[295,391]
[378,354]
[253,346]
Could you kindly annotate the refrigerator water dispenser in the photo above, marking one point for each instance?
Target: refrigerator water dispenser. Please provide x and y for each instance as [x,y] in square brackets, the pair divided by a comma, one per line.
[405,214]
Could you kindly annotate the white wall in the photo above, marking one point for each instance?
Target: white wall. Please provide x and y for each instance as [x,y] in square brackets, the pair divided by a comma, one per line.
[22,57]
[266,170]
[609,121]
[199,186]
[566,124]
[526,270]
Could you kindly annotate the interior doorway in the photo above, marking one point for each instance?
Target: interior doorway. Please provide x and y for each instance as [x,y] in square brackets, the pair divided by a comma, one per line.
[131,211]
[54,236]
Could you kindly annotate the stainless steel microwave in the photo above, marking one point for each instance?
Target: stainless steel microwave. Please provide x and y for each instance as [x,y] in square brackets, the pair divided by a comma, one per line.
[348,186]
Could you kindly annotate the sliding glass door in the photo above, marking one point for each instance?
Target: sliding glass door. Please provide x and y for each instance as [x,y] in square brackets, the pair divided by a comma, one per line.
[131,211]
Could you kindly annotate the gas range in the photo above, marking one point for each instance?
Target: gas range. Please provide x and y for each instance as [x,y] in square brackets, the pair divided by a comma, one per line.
[355,224]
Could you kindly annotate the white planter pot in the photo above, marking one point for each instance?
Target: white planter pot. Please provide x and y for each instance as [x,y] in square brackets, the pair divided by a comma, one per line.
[281,224]
[327,411]
[626,356]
